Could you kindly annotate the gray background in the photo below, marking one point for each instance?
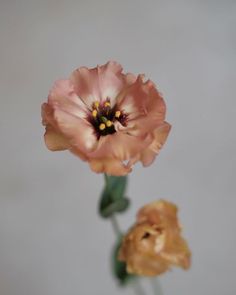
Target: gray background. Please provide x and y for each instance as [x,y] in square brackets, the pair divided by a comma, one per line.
[52,242]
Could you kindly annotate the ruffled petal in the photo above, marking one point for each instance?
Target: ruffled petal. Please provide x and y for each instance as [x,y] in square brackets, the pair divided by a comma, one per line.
[79,132]
[63,96]
[47,115]
[177,253]
[77,152]
[120,145]
[159,138]
[110,166]
[153,213]
[144,106]
[54,140]
[154,244]
[86,85]
[132,99]
[100,83]
[111,81]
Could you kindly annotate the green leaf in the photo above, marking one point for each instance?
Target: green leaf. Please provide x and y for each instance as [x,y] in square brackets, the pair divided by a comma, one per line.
[117,206]
[119,267]
[122,204]
[117,186]
[112,197]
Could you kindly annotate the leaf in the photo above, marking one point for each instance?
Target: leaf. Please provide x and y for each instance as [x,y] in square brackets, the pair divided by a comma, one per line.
[119,267]
[117,206]
[117,186]
[112,198]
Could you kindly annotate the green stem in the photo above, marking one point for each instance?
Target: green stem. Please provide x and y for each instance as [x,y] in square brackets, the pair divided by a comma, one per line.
[115,225]
[138,289]
[106,179]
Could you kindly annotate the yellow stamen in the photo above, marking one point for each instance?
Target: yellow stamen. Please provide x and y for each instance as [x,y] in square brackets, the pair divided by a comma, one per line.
[102,126]
[96,104]
[107,104]
[109,123]
[117,114]
[94,113]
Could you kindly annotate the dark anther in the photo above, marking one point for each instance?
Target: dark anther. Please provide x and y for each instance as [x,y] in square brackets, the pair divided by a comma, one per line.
[145,236]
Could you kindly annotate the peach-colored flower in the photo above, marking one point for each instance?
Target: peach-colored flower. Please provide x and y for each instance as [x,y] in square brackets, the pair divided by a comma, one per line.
[154,243]
[110,119]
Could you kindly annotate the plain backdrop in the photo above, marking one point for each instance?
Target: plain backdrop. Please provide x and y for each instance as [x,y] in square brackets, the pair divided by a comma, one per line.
[52,241]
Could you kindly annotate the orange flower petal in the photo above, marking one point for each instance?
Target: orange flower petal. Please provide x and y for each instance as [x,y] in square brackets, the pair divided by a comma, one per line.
[47,115]
[110,166]
[54,140]
[120,145]
[79,132]
[142,101]
[159,138]
[111,80]
[154,243]
[99,83]
[63,96]
[77,152]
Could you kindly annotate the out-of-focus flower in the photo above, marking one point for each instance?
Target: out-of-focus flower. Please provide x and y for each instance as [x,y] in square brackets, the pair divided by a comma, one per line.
[154,243]
[110,119]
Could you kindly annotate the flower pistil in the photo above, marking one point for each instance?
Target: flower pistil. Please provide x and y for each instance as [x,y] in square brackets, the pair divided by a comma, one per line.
[103,117]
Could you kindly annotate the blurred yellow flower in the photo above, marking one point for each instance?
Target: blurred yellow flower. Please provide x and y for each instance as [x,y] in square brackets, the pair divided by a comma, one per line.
[154,243]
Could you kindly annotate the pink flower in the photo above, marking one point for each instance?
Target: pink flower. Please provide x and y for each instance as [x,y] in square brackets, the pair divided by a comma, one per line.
[110,119]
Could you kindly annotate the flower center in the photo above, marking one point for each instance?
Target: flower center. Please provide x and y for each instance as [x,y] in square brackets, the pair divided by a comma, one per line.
[103,117]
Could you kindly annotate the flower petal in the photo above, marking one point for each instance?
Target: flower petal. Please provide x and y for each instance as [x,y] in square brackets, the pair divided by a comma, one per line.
[63,96]
[144,106]
[153,212]
[160,135]
[47,115]
[131,99]
[178,253]
[86,85]
[110,166]
[139,252]
[154,244]
[54,140]
[100,83]
[120,145]
[111,81]
[79,132]
[76,151]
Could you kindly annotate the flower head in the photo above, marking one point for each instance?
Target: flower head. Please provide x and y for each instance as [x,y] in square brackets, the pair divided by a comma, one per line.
[154,243]
[106,117]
